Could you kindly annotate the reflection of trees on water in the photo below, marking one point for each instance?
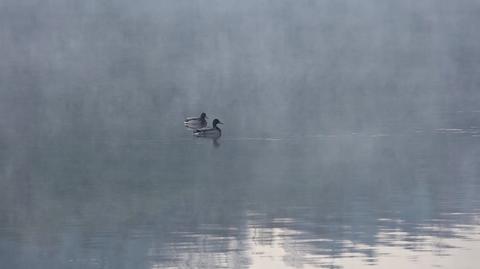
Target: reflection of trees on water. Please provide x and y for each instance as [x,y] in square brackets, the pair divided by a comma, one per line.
[127,205]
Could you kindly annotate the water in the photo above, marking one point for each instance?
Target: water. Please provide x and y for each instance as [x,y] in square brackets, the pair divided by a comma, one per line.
[348,200]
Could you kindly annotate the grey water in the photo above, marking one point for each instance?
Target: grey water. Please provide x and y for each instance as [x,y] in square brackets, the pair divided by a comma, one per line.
[351,135]
[330,201]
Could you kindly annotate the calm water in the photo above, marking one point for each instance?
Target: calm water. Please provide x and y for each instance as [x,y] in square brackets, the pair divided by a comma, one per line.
[361,200]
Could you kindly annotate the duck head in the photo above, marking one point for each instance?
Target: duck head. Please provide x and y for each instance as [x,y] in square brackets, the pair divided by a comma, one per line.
[215,122]
[203,116]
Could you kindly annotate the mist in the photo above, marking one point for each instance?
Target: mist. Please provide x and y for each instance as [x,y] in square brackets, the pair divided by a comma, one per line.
[351,133]
[265,68]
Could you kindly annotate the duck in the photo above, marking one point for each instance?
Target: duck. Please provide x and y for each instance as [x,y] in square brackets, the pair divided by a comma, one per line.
[213,132]
[196,122]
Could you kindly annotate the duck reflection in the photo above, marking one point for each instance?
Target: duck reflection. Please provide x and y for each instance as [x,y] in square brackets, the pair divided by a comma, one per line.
[215,140]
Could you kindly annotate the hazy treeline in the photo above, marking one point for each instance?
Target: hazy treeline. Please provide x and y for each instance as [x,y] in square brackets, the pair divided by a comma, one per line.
[108,68]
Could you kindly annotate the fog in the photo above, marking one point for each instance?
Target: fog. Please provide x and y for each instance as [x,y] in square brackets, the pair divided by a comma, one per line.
[351,131]
[265,68]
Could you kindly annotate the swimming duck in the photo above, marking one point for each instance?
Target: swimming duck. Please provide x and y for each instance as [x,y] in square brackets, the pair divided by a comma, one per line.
[196,122]
[209,132]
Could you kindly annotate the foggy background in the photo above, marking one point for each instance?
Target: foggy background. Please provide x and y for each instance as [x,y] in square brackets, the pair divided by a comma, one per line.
[376,105]
[89,69]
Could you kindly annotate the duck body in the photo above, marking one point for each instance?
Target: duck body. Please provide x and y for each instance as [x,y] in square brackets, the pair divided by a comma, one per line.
[196,122]
[208,132]
[213,132]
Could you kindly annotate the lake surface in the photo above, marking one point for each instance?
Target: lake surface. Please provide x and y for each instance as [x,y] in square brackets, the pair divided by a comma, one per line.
[351,200]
